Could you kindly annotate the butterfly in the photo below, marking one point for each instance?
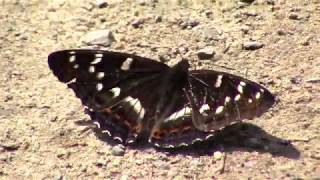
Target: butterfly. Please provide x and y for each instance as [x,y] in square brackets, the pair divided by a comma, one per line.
[135,99]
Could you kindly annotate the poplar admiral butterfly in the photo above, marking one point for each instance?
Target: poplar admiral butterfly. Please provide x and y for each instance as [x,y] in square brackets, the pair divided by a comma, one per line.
[135,99]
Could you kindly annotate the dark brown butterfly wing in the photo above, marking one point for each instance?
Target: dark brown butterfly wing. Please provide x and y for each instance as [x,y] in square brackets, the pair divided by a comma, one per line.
[212,101]
[115,87]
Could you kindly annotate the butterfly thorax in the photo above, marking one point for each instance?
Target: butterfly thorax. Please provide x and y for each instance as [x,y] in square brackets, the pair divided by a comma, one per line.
[173,83]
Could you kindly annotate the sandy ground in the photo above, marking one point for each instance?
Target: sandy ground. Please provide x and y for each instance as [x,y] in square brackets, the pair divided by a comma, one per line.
[41,131]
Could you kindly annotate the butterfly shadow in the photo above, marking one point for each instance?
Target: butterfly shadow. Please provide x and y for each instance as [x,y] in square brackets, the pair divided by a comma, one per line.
[241,137]
[238,137]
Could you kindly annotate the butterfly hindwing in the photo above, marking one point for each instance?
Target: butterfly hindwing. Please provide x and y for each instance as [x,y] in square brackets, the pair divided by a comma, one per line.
[220,99]
[212,100]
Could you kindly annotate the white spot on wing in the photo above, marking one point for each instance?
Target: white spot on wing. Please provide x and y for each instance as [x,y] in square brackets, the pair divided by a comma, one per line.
[136,104]
[227,100]
[76,66]
[126,64]
[258,95]
[240,89]
[237,98]
[116,91]
[170,146]
[183,112]
[204,108]
[250,100]
[100,75]
[96,60]
[106,132]
[196,140]
[97,124]
[262,90]
[183,145]
[209,136]
[219,109]
[91,69]
[219,81]
[99,86]
[72,58]
[99,55]
[242,83]
[118,138]
[131,141]
[72,52]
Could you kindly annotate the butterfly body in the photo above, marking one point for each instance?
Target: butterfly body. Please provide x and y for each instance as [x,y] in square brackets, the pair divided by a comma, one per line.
[132,98]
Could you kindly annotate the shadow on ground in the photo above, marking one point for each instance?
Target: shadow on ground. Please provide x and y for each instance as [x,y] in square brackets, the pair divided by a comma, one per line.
[238,137]
[243,137]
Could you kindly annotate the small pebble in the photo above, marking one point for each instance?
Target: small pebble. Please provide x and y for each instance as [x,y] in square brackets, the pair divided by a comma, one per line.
[100,37]
[183,50]
[206,53]
[101,3]
[270,2]
[10,146]
[305,41]
[188,23]
[59,177]
[142,2]
[249,164]
[146,2]
[124,177]
[296,79]
[84,168]
[294,16]
[245,29]
[101,162]
[118,150]
[158,19]
[316,156]
[281,32]
[136,23]
[252,45]
[246,1]
[53,119]
[139,162]
[217,155]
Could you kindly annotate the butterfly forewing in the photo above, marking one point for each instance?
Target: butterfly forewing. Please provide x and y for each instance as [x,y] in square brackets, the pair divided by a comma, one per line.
[133,98]
[111,85]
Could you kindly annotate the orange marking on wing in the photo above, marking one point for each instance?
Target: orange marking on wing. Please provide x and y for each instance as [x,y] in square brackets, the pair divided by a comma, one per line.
[127,123]
[118,117]
[186,128]
[137,128]
[108,110]
[158,134]
[173,131]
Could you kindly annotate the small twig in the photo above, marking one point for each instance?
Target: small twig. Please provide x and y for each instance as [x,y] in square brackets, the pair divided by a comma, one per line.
[297,139]
[223,163]
[314,80]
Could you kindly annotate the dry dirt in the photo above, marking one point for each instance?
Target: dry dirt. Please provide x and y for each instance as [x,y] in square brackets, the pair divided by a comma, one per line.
[40,135]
